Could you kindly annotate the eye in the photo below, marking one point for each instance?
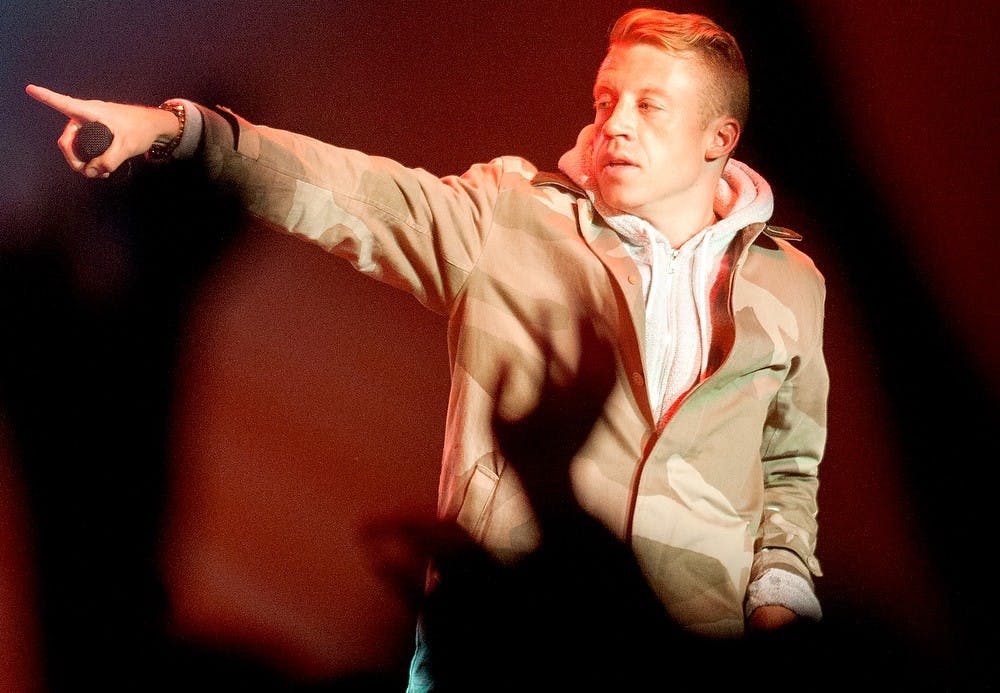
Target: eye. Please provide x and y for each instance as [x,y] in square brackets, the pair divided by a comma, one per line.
[602,104]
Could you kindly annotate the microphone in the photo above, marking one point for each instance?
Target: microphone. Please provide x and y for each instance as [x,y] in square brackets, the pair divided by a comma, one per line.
[92,139]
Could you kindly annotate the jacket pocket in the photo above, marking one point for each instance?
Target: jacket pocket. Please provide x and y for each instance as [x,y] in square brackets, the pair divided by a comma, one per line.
[474,514]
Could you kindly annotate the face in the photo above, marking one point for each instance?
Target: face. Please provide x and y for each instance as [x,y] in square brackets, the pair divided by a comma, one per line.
[651,139]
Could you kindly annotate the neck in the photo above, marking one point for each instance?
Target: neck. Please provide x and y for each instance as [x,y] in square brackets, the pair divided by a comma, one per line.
[682,220]
[680,233]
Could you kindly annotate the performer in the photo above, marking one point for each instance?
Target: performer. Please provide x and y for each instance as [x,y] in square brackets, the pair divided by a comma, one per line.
[704,458]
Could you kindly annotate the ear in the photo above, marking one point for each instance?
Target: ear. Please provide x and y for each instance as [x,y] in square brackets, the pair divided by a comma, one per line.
[724,134]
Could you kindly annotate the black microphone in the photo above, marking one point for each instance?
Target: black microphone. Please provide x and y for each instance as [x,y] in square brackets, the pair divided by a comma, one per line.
[92,139]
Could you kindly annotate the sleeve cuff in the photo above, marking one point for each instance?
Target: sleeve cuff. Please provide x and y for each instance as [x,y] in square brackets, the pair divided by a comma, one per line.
[193,127]
[781,587]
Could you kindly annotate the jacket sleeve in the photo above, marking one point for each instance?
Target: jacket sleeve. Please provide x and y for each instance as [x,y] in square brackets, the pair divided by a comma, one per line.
[792,446]
[402,226]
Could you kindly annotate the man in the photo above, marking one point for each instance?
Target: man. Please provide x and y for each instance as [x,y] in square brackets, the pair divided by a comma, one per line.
[704,458]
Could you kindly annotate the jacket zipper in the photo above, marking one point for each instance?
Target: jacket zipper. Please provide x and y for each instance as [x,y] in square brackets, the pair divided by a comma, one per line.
[637,473]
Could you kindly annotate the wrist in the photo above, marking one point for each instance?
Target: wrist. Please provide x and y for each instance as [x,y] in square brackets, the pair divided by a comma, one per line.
[170,123]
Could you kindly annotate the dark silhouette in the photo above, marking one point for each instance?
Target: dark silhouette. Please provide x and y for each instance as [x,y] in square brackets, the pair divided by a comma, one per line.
[91,304]
[86,383]
[68,393]
[577,614]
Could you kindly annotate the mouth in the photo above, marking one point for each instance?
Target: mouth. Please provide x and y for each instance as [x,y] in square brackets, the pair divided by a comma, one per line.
[609,159]
[618,165]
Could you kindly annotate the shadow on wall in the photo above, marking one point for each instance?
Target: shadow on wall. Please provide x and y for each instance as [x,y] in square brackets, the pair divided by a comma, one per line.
[91,298]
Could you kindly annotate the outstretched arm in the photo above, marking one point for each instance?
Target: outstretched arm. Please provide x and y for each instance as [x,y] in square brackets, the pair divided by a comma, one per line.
[135,128]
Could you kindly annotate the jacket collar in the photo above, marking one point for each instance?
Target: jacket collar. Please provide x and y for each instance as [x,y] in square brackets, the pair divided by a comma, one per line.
[561,180]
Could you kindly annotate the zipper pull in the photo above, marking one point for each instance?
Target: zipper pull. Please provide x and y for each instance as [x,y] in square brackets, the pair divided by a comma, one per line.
[673,260]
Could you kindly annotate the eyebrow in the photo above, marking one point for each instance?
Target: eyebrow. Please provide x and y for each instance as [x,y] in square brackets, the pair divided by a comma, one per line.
[601,86]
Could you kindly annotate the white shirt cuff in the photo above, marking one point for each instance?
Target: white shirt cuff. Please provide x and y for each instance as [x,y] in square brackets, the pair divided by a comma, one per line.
[780,587]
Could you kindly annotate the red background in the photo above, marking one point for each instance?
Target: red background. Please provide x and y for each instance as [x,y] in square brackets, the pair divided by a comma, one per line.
[306,401]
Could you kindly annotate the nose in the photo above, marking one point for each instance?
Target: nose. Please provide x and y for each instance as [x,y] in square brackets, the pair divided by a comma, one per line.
[620,122]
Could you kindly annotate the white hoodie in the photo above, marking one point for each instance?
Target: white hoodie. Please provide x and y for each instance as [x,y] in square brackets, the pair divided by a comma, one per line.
[677,282]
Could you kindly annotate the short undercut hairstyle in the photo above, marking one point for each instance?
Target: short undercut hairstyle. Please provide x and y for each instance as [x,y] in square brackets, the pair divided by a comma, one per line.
[728,91]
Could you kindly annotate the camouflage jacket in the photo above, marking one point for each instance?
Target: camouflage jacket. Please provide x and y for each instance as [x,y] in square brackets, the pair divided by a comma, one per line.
[724,491]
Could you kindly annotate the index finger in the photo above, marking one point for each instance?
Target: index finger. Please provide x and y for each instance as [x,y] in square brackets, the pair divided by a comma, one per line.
[67,105]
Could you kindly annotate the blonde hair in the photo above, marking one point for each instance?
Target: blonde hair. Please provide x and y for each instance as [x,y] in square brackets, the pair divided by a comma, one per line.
[728,91]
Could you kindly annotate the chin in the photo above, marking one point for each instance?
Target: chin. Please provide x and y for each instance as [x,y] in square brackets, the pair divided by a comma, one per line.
[619,203]
[617,196]
[610,197]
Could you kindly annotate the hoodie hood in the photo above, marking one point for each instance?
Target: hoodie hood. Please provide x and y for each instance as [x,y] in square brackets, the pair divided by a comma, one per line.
[742,196]
[677,281]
